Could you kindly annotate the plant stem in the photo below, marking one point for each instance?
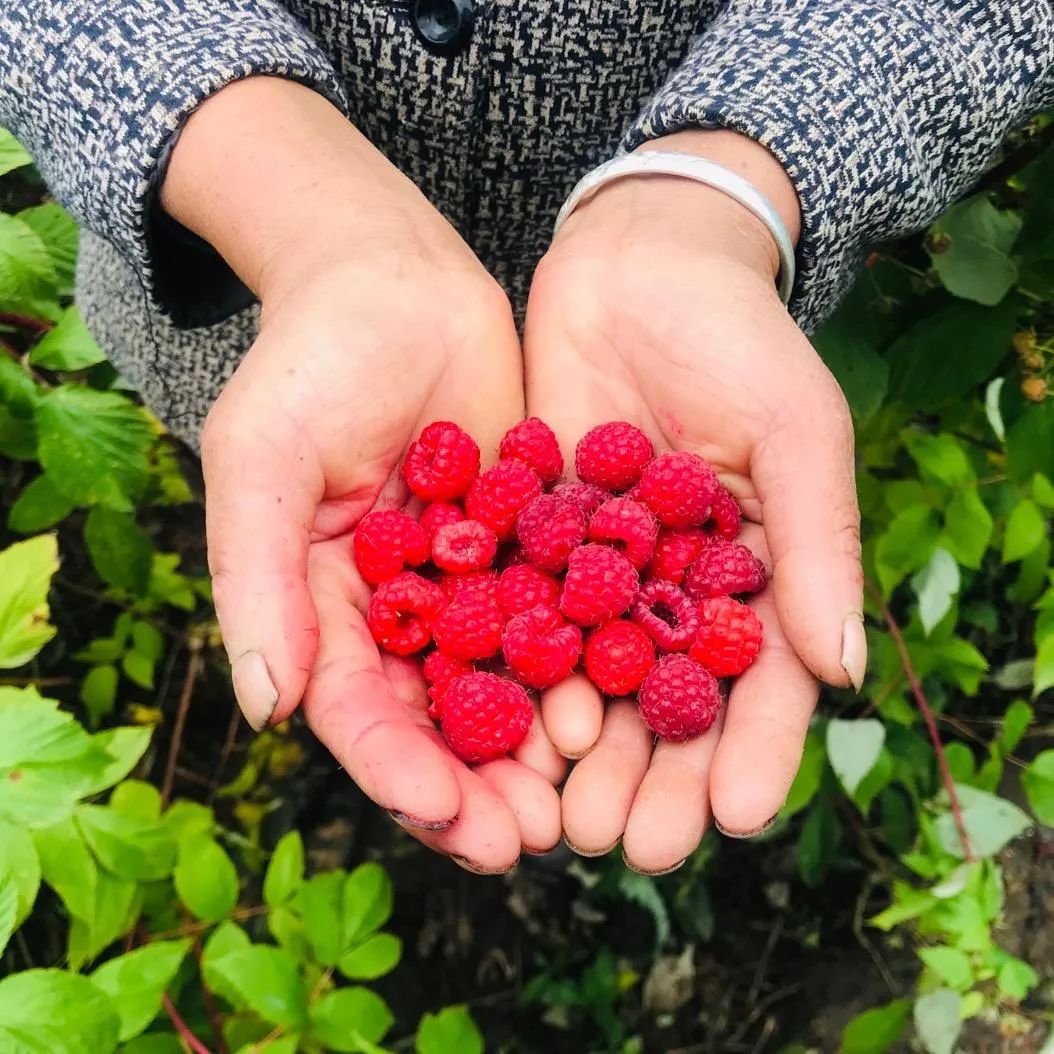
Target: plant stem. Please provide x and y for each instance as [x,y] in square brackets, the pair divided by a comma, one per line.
[927,714]
[182,1027]
[38,325]
[194,646]
[199,927]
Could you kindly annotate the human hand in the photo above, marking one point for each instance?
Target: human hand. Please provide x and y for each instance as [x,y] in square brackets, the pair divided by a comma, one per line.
[376,320]
[656,304]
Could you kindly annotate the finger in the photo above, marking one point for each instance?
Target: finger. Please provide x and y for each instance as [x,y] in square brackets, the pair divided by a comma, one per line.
[390,749]
[803,472]
[537,752]
[573,713]
[601,787]
[262,488]
[532,799]
[671,810]
[764,733]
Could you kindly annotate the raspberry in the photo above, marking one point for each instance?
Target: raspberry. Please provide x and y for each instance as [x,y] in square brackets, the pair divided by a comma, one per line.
[612,455]
[464,546]
[439,671]
[470,627]
[729,636]
[587,496]
[679,699]
[600,584]
[442,463]
[627,524]
[675,552]
[666,615]
[485,716]
[470,582]
[679,488]
[438,514]
[550,529]
[534,443]
[540,647]
[385,542]
[725,515]
[402,613]
[724,568]
[618,657]
[522,587]
[497,497]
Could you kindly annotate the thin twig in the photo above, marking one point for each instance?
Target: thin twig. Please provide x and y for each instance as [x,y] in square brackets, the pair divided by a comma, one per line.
[927,714]
[38,325]
[954,722]
[212,1011]
[225,754]
[190,928]
[40,682]
[194,646]
[872,951]
[763,962]
[182,1027]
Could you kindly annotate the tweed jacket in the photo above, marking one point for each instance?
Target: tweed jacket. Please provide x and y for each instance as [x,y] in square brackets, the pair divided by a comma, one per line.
[882,112]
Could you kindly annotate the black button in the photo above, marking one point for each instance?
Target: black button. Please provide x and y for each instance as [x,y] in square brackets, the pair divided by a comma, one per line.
[443,25]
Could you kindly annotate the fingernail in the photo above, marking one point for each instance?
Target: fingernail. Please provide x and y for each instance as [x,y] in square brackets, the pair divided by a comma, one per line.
[471,866]
[403,820]
[745,834]
[254,689]
[653,874]
[854,649]
[540,852]
[589,852]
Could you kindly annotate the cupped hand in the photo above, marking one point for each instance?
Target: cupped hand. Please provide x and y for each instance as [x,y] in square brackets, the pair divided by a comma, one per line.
[657,305]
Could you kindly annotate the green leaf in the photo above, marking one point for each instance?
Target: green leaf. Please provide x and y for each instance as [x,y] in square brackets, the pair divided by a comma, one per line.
[138,668]
[20,862]
[367,903]
[136,982]
[339,1016]
[906,545]
[968,527]
[119,548]
[226,939]
[266,980]
[1025,529]
[818,843]
[853,748]
[285,872]
[373,958]
[976,238]
[936,586]
[8,906]
[55,1012]
[186,819]
[940,457]
[137,798]
[38,507]
[951,966]
[68,346]
[908,903]
[1016,720]
[859,369]
[94,446]
[874,1031]
[57,229]
[206,879]
[1015,977]
[1030,442]
[1043,672]
[118,902]
[126,845]
[68,867]
[990,823]
[99,692]
[119,751]
[28,284]
[162,1043]
[12,154]
[810,772]
[26,569]
[1038,783]
[451,1031]
[937,1020]
[320,905]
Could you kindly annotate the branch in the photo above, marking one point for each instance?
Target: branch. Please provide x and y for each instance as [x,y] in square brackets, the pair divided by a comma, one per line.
[182,1027]
[38,325]
[194,646]
[927,714]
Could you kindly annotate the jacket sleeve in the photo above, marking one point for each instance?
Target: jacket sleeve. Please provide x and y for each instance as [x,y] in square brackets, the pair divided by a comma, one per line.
[96,90]
[882,112]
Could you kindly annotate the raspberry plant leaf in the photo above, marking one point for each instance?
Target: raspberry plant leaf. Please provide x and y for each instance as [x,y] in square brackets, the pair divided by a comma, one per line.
[28,284]
[366,903]
[26,570]
[1038,782]
[936,586]
[875,1031]
[285,872]
[206,879]
[338,1018]
[264,979]
[55,1012]
[853,747]
[127,846]
[38,507]
[990,823]
[68,867]
[119,548]
[12,154]
[451,1031]
[58,231]
[938,1021]
[68,346]
[373,958]
[1025,530]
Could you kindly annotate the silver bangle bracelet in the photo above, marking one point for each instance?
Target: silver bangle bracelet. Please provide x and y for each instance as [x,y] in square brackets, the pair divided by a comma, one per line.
[702,170]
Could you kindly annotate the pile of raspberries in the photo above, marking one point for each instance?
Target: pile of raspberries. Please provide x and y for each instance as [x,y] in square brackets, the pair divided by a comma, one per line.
[629,574]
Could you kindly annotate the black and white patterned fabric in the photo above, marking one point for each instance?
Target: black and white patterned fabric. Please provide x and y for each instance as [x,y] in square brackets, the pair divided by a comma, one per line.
[881,111]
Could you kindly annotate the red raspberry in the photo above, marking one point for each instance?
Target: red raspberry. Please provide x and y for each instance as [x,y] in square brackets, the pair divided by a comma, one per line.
[600,584]
[497,497]
[385,542]
[442,463]
[485,716]
[440,670]
[729,636]
[628,525]
[587,496]
[679,488]
[550,529]
[666,615]
[403,611]
[618,657]
[470,627]
[723,568]
[612,455]
[534,443]
[725,515]
[675,551]
[470,582]
[522,587]
[439,514]
[679,699]
[464,546]
[540,647]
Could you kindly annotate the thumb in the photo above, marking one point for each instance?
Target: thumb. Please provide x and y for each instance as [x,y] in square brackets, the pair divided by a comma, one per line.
[261,495]
[803,472]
